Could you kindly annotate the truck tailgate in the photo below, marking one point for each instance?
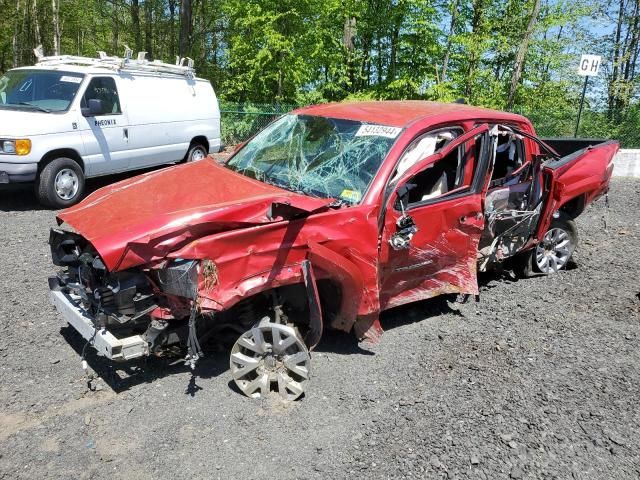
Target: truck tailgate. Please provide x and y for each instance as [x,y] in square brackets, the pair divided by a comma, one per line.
[586,171]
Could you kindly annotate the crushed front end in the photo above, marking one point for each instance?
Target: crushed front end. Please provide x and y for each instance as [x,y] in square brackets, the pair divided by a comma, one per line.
[126,314]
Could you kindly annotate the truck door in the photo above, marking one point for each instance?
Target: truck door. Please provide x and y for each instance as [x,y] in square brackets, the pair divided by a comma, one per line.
[433,222]
[585,173]
[105,130]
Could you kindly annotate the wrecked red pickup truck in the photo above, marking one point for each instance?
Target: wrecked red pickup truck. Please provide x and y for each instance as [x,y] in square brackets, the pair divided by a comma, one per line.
[326,218]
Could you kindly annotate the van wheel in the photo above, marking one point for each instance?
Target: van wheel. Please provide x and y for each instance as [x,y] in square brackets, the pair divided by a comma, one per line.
[196,152]
[552,253]
[60,183]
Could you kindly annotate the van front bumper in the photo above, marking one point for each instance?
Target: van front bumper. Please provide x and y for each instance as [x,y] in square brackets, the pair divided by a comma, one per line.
[105,343]
[18,172]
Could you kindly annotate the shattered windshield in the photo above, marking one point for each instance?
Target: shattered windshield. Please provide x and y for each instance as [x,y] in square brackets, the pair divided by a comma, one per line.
[41,90]
[317,156]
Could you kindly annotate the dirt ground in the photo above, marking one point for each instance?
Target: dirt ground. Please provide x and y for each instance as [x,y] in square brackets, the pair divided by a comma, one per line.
[541,379]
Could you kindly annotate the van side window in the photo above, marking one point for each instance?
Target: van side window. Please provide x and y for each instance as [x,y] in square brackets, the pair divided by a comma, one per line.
[103,88]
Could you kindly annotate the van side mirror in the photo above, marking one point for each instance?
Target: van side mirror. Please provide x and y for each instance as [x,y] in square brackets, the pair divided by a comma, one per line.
[95,107]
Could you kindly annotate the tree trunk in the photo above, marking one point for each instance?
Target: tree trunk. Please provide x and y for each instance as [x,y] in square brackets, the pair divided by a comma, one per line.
[630,45]
[379,59]
[280,88]
[393,60]
[36,24]
[148,28]
[172,28]
[634,62]
[365,67]
[3,59]
[115,40]
[545,74]
[16,33]
[477,28]
[452,28]
[204,31]
[186,27]
[348,34]
[522,52]
[135,23]
[616,61]
[55,18]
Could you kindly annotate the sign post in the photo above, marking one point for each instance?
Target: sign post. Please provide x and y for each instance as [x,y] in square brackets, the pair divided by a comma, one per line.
[589,67]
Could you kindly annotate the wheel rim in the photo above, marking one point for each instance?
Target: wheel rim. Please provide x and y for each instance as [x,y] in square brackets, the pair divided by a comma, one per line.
[554,251]
[270,358]
[66,184]
[198,154]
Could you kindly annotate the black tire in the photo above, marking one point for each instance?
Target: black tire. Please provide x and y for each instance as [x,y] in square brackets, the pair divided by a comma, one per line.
[45,187]
[197,151]
[521,264]
[526,264]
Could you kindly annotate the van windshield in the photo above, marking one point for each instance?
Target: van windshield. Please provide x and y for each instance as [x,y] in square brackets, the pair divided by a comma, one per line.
[318,156]
[39,90]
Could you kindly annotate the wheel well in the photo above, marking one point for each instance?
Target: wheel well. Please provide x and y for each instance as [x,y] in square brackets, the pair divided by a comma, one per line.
[202,140]
[294,301]
[575,206]
[62,152]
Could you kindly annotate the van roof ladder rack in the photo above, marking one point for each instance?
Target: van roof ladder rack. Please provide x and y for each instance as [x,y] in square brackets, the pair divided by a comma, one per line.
[183,66]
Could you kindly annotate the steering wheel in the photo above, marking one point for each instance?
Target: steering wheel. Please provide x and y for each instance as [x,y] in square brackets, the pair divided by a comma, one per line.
[60,91]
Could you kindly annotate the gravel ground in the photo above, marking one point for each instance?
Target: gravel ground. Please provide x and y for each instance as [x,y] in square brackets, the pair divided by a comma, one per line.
[540,379]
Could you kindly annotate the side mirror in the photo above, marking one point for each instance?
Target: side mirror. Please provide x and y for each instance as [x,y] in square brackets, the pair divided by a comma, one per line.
[95,107]
[406,227]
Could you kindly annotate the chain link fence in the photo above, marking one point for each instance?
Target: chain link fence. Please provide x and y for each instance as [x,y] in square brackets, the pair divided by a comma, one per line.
[241,121]
[593,124]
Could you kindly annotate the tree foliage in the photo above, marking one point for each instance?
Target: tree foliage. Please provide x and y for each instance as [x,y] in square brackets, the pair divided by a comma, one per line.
[516,54]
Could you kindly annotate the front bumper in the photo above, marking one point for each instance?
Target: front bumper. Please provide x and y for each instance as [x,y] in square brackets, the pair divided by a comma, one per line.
[106,344]
[18,172]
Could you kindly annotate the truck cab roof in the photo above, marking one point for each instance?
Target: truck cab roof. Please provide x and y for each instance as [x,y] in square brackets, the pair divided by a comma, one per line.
[403,113]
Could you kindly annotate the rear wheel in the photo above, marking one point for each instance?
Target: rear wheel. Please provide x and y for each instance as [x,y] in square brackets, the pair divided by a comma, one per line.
[553,252]
[196,152]
[60,183]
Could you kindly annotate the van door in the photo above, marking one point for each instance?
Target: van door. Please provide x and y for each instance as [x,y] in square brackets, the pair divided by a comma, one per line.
[105,132]
[158,107]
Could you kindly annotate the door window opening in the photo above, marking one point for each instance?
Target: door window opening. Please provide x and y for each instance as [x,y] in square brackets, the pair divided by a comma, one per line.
[424,146]
[510,155]
[438,179]
[104,89]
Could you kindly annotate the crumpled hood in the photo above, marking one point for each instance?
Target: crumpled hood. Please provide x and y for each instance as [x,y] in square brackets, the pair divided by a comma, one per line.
[16,123]
[143,218]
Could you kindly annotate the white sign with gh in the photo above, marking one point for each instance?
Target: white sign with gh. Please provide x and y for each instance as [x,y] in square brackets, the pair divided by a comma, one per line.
[589,65]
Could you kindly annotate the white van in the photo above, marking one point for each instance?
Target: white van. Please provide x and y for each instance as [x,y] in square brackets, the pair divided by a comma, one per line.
[70,118]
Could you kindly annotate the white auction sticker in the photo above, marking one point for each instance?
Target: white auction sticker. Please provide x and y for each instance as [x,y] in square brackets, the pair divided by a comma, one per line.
[378,131]
[67,78]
